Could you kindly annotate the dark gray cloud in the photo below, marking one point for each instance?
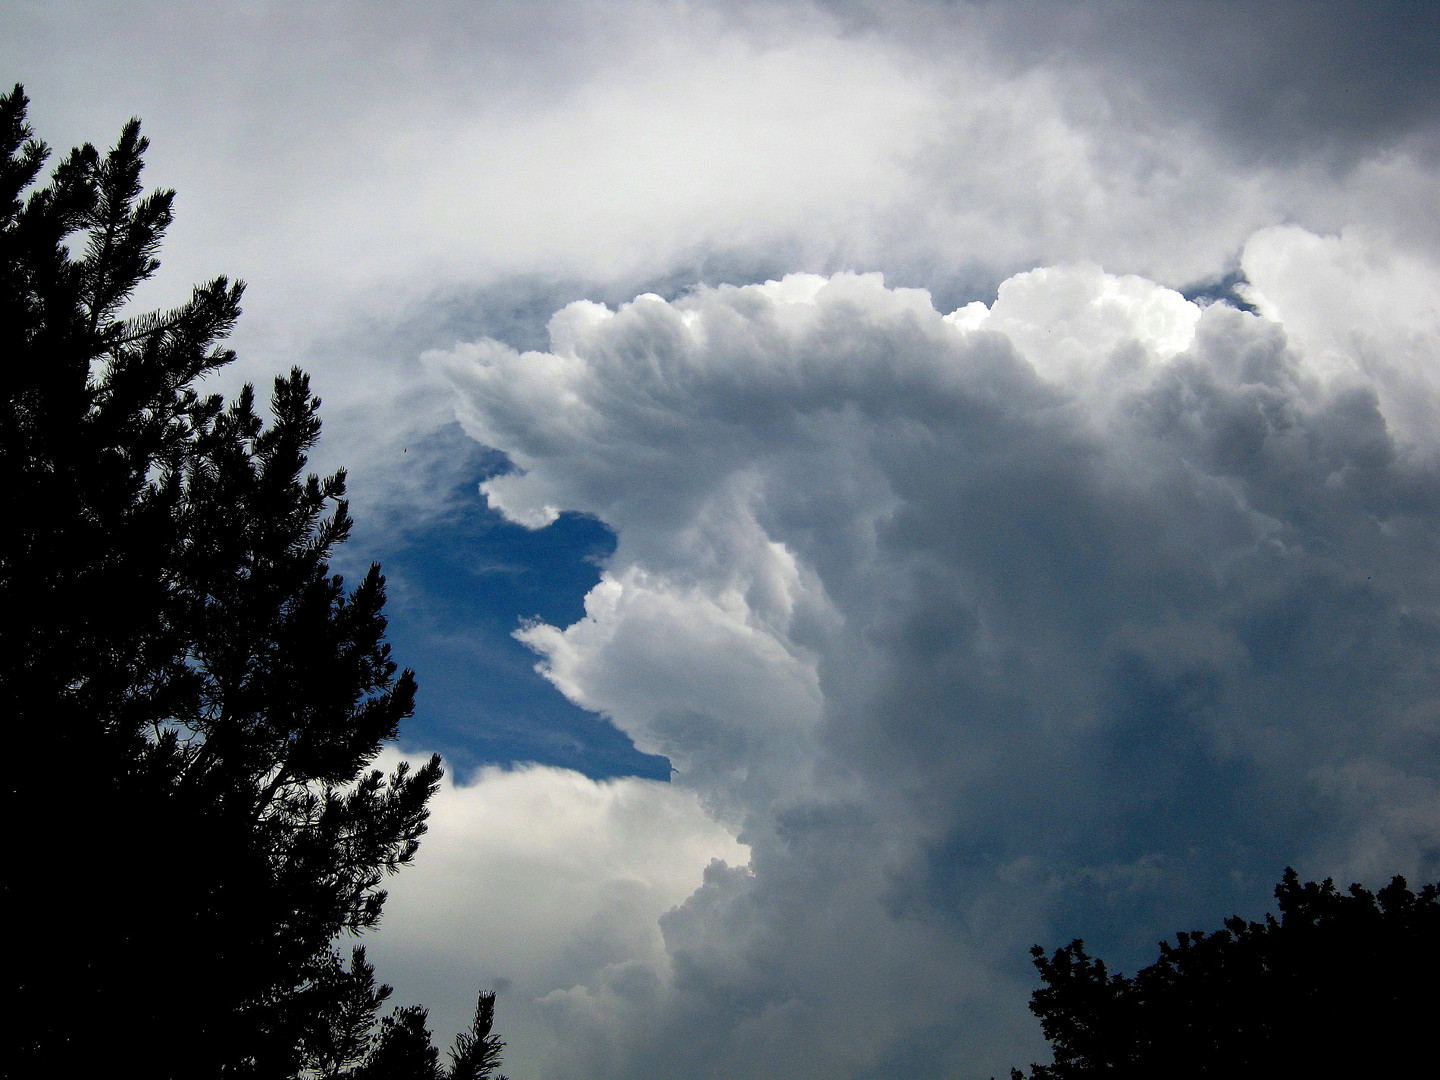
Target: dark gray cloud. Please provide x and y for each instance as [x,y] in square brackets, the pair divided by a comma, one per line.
[1273,81]
[1288,80]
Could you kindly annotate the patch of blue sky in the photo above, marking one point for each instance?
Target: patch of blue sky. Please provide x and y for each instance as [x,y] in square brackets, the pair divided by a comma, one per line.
[459,584]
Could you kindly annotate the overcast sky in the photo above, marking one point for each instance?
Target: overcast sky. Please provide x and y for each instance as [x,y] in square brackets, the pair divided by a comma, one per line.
[968,475]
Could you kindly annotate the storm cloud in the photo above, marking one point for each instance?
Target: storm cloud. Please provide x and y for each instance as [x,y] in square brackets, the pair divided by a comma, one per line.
[982,627]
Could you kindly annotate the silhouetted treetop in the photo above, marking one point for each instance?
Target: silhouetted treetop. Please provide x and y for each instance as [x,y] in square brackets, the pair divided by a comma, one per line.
[197,699]
[1340,981]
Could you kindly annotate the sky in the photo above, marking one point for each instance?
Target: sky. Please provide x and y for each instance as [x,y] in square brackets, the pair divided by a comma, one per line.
[865,487]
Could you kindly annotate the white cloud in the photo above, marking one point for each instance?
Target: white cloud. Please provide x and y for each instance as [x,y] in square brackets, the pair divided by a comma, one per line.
[1094,600]
[1363,309]
[535,880]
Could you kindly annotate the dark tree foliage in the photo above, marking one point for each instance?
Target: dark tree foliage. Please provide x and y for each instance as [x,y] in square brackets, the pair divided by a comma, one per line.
[193,699]
[1340,984]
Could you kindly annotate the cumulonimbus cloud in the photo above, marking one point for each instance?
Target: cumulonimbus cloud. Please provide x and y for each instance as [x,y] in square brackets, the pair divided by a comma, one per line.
[977,626]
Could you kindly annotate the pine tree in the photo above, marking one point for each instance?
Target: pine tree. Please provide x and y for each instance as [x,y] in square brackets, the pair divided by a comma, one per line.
[194,700]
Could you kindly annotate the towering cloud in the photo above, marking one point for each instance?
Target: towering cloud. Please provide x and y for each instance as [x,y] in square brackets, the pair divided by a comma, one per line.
[985,627]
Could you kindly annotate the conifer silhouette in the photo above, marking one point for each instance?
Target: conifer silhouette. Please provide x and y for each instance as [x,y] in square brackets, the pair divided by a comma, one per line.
[194,701]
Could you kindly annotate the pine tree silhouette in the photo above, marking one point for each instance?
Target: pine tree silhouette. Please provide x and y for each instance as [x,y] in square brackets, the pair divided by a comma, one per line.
[194,700]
